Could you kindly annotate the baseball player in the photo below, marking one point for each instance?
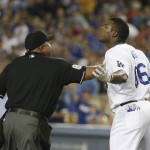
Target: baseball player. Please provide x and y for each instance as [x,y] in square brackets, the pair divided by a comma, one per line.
[126,71]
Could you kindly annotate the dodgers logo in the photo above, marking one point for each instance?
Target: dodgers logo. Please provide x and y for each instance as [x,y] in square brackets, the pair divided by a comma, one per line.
[120,64]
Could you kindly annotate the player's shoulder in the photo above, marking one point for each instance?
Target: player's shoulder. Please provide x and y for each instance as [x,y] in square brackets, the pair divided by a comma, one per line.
[117,50]
[139,52]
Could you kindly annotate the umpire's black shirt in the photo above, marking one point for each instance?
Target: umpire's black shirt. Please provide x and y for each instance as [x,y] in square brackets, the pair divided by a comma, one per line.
[35,81]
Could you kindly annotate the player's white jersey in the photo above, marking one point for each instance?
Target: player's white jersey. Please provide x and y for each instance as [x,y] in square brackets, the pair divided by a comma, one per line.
[135,64]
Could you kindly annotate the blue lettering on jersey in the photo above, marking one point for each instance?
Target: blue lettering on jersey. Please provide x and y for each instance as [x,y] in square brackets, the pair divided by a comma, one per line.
[132,107]
[120,64]
[133,54]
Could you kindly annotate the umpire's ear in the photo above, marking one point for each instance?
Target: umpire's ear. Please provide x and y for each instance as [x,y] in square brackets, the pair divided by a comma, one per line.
[40,49]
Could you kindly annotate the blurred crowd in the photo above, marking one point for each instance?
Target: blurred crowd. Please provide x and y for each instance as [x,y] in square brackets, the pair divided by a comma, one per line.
[74,24]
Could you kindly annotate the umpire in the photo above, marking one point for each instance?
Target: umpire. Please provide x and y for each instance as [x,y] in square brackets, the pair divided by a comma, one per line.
[33,83]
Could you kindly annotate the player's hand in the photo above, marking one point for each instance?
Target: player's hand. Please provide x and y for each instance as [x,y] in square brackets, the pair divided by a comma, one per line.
[102,74]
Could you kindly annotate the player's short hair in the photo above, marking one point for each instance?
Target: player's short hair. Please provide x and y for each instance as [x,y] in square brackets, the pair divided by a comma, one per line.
[122,29]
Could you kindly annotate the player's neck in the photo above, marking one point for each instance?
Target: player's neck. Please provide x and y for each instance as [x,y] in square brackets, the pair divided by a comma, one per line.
[110,45]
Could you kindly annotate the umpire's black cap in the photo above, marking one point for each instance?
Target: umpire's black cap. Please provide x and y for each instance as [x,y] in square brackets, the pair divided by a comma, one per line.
[36,39]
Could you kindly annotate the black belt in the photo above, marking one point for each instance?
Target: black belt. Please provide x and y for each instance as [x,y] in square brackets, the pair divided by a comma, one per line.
[27,112]
[122,104]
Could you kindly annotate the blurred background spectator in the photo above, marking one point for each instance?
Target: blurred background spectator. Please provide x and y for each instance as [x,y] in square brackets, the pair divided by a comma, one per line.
[74,24]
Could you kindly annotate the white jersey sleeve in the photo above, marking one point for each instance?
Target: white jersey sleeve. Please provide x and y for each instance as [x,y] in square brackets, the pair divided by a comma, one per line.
[116,60]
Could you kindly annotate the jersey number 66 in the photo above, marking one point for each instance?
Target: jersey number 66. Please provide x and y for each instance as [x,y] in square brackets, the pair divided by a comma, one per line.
[141,75]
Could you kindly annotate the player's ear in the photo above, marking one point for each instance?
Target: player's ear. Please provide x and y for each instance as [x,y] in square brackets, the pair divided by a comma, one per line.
[114,33]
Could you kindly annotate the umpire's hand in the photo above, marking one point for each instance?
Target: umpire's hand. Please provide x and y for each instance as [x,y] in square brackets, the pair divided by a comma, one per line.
[102,74]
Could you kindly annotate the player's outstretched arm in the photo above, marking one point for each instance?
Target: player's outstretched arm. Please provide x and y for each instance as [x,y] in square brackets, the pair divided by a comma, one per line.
[119,76]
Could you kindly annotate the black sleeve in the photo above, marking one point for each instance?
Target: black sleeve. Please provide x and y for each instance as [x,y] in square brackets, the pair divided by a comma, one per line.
[3,78]
[71,73]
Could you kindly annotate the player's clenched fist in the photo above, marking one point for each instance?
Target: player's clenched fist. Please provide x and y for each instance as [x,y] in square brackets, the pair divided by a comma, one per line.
[102,74]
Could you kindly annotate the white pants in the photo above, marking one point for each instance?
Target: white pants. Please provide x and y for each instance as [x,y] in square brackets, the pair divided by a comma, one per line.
[131,127]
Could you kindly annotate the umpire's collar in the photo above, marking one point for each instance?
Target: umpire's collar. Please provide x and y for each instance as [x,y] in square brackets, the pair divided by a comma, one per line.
[33,54]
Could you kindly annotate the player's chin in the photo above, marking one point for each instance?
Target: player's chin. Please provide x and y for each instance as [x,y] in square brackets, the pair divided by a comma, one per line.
[100,39]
